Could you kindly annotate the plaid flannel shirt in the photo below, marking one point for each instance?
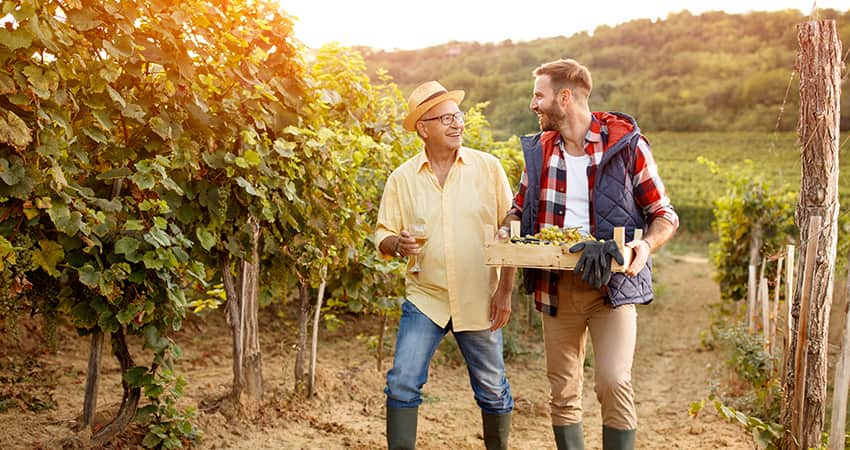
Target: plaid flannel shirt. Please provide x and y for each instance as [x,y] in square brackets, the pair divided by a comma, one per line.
[649,193]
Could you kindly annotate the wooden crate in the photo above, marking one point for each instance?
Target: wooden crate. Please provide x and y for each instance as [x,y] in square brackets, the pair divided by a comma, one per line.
[552,257]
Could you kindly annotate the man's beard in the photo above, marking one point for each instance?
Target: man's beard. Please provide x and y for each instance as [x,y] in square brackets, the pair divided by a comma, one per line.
[551,118]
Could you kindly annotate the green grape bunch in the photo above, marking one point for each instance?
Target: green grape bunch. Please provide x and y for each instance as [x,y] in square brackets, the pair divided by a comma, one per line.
[562,236]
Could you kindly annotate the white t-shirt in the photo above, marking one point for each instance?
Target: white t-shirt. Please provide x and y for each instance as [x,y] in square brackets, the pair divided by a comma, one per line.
[578,201]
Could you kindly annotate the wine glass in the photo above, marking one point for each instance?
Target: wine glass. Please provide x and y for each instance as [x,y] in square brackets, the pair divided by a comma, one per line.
[417,232]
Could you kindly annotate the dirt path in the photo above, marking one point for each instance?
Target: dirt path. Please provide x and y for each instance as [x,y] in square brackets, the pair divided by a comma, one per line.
[671,371]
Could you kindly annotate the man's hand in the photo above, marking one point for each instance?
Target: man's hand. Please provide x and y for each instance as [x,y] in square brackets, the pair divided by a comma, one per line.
[407,245]
[595,261]
[641,255]
[500,309]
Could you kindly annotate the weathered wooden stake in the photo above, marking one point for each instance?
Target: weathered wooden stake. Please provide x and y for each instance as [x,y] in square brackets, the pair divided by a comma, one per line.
[820,67]
[841,383]
[752,279]
[789,298]
[765,312]
[751,299]
[800,351]
[90,401]
[775,314]
[315,343]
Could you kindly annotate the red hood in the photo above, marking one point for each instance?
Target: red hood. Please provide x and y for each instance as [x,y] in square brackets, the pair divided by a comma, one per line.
[617,126]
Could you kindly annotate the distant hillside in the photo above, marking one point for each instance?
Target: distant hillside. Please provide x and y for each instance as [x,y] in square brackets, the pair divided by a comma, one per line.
[708,72]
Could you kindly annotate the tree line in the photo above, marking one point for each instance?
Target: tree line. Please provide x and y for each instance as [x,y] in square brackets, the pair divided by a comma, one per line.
[706,72]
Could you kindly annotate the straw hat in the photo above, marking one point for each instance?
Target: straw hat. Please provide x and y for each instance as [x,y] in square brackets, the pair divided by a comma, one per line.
[425,97]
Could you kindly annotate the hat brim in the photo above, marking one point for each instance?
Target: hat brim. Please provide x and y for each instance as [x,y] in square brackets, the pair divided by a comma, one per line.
[413,116]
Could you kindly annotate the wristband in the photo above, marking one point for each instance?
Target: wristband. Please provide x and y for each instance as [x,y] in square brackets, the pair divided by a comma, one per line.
[506,229]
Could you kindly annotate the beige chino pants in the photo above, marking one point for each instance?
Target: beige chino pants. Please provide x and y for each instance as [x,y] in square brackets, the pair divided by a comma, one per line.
[612,332]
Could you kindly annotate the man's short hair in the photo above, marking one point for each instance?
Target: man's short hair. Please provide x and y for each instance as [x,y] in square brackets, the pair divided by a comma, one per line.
[566,73]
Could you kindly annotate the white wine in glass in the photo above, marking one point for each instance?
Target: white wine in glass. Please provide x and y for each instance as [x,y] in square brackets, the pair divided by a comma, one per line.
[417,232]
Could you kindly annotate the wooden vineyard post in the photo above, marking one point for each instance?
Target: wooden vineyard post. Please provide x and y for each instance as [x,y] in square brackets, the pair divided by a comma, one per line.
[752,281]
[90,402]
[751,298]
[761,290]
[765,312]
[841,383]
[819,65]
[800,354]
[775,313]
[789,296]
[317,314]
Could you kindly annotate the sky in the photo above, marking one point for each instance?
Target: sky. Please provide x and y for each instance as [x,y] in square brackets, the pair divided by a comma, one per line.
[406,24]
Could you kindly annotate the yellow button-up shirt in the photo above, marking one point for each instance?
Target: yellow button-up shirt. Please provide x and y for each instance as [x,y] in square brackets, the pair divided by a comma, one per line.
[454,283]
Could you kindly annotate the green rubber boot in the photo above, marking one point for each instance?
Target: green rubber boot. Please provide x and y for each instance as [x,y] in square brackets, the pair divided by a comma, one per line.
[614,439]
[401,428]
[497,428]
[569,437]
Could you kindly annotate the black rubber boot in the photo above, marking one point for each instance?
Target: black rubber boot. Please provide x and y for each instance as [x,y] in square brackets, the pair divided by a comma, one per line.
[497,428]
[401,428]
[569,437]
[614,439]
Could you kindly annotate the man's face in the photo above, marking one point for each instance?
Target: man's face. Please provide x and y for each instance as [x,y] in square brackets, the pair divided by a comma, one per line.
[544,102]
[438,134]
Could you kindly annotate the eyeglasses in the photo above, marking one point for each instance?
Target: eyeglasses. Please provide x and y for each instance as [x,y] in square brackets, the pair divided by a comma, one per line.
[448,119]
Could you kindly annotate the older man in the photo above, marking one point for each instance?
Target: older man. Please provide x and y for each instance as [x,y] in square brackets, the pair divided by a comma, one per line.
[446,194]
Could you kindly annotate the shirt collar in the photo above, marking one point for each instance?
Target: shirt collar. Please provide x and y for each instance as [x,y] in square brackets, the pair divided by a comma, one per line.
[462,156]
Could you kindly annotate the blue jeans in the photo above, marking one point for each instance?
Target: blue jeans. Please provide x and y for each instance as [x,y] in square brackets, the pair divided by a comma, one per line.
[417,340]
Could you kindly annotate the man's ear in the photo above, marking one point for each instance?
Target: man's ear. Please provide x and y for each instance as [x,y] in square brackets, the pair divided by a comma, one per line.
[565,97]
[420,128]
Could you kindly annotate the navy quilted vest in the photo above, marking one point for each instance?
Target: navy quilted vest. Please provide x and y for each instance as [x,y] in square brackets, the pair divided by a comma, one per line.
[613,205]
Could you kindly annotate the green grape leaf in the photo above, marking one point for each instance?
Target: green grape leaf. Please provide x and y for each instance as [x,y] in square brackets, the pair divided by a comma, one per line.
[13,40]
[66,221]
[158,238]
[152,261]
[48,256]
[137,376]
[252,157]
[134,225]
[144,180]
[126,246]
[249,188]
[84,316]
[154,339]
[206,238]
[89,276]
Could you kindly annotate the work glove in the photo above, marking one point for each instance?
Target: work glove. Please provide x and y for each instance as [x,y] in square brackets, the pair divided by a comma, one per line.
[595,262]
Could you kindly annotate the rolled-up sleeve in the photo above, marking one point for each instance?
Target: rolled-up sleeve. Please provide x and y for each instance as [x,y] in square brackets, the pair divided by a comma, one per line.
[519,198]
[649,189]
[389,214]
[503,192]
